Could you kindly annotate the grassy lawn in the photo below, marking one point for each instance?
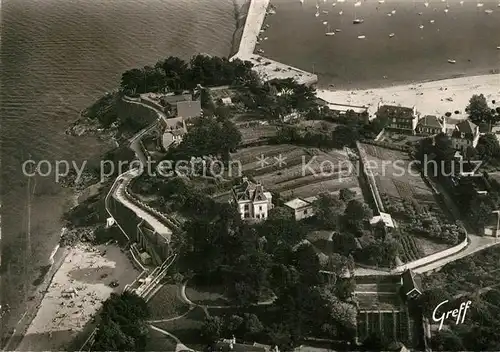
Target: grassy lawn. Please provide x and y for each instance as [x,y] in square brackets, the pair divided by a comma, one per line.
[159,342]
[206,295]
[166,303]
[187,328]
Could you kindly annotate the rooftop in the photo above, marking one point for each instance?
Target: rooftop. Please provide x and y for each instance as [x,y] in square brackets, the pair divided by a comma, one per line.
[188,109]
[385,217]
[411,281]
[430,121]
[297,203]
[248,190]
[396,111]
[466,127]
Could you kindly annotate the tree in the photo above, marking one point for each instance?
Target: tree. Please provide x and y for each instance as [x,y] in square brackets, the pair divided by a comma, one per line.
[488,147]
[307,264]
[234,323]
[478,109]
[252,325]
[282,277]
[430,299]
[355,214]
[375,342]
[211,329]
[327,209]
[347,195]
[122,325]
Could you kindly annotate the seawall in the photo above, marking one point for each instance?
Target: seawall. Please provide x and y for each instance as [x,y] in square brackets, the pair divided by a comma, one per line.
[266,68]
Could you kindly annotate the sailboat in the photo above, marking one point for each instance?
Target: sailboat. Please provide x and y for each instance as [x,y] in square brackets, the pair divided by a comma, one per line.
[316,14]
[426,4]
[341,12]
[357,20]
[329,32]
[301,2]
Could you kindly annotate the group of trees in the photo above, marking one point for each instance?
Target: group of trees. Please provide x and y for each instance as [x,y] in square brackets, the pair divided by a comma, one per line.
[252,260]
[122,324]
[480,112]
[175,75]
[214,136]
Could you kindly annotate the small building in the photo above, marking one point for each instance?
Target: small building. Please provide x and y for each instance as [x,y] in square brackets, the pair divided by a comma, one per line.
[189,109]
[400,118]
[301,208]
[430,125]
[355,111]
[411,284]
[251,200]
[466,134]
[173,134]
[231,345]
[385,218]
[227,101]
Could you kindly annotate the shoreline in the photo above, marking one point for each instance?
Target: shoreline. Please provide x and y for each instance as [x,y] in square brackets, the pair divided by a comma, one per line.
[32,310]
[432,97]
[457,89]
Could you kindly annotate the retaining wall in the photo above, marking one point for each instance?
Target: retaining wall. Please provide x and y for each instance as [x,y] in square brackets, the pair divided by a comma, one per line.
[433,257]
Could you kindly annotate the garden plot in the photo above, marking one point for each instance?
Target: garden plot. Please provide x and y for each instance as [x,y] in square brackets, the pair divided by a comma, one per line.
[257,132]
[249,155]
[328,186]
[404,193]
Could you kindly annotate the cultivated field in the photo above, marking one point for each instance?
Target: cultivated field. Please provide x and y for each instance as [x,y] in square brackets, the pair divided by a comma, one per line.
[166,304]
[297,171]
[403,191]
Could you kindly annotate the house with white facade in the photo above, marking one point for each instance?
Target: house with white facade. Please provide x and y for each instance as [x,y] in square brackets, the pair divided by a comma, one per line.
[301,208]
[399,118]
[173,135]
[251,200]
[466,134]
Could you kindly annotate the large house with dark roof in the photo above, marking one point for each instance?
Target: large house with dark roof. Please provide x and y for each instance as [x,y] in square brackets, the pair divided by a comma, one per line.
[400,118]
[430,125]
[251,200]
[466,134]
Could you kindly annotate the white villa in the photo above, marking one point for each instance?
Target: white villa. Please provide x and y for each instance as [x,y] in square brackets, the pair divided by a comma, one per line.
[251,200]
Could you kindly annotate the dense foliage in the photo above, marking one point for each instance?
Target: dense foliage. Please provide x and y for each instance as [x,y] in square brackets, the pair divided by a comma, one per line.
[175,75]
[122,324]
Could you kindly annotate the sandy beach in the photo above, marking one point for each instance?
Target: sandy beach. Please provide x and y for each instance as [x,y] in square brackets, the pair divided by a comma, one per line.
[75,294]
[430,98]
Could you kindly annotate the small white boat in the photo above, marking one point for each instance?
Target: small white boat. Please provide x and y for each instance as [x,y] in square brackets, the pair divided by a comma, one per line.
[325,22]
[361,37]
[389,14]
[393,12]
[421,26]
[391,35]
[338,30]
[334,4]
[461,2]
[446,10]
[480,4]
[260,51]
[325,12]
[341,12]
[488,11]
[426,4]
[498,47]
[452,61]
[358,21]
[317,6]
[316,14]
[340,0]
[420,13]
[302,2]
[357,4]
[329,34]
[381,1]
[432,21]
[265,38]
